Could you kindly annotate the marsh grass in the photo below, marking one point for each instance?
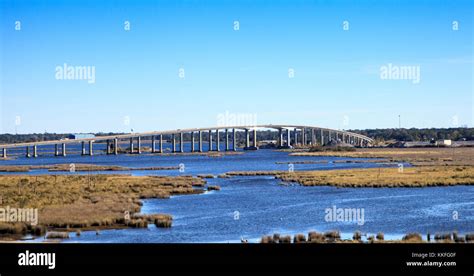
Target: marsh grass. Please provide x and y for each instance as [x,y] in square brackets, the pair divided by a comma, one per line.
[57,235]
[416,156]
[384,177]
[412,238]
[299,238]
[88,202]
[315,237]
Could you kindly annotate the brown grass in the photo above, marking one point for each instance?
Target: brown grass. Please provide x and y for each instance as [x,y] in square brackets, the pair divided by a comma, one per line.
[57,235]
[357,236]
[90,202]
[385,177]
[416,156]
[412,238]
[315,237]
[299,238]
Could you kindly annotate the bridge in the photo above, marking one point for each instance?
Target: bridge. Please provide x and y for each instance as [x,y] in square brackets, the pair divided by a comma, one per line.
[288,137]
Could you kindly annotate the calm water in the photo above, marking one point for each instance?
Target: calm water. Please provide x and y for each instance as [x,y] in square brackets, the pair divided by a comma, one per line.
[249,207]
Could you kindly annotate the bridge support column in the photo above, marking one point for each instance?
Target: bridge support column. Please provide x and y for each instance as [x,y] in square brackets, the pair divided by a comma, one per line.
[131,145]
[303,136]
[226,140]
[288,137]
[313,136]
[234,140]
[139,145]
[35,151]
[107,147]
[63,153]
[200,141]
[91,148]
[181,145]
[192,142]
[322,138]
[4,153]
[210,140]
[255,138]
[295,136]
[218,148]
[115,146]
[280,138]
[153,144]
[83,148]
[27,152]
[56,151]
[161,143]
[247,138]
[173,142]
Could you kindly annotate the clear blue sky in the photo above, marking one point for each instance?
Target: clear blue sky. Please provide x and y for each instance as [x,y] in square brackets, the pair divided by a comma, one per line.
[337,82]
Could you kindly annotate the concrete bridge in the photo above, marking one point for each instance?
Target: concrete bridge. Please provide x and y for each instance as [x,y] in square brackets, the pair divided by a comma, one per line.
[288,136]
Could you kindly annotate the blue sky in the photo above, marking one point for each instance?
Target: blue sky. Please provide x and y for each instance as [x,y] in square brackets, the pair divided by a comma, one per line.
[137,85]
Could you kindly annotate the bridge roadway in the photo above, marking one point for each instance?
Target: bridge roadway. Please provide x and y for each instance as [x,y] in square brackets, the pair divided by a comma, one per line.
[295,135]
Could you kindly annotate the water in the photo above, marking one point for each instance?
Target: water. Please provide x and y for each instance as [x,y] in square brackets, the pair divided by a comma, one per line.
[249,207]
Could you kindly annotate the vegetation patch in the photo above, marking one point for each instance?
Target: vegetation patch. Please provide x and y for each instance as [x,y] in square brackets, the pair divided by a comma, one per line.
[89,202]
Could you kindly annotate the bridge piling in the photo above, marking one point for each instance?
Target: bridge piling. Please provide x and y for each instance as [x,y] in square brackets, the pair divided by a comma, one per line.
[192,142]
[107,147]
[181,145]
[247,138]
[234,139]
[255,138]
[153,144]
[63,153]
[303,136]
[131,145]
[288,137]
[173,142]
[200,141]
[321,140]
[280,138]
[115,146]
[210,140]
[139,145]
[4,153]
[226,140]
[161,143]
[27,152]
[295,136]
[218,148]
[91,148]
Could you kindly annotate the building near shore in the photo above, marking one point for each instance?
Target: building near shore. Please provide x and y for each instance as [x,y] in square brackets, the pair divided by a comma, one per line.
[443,143]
